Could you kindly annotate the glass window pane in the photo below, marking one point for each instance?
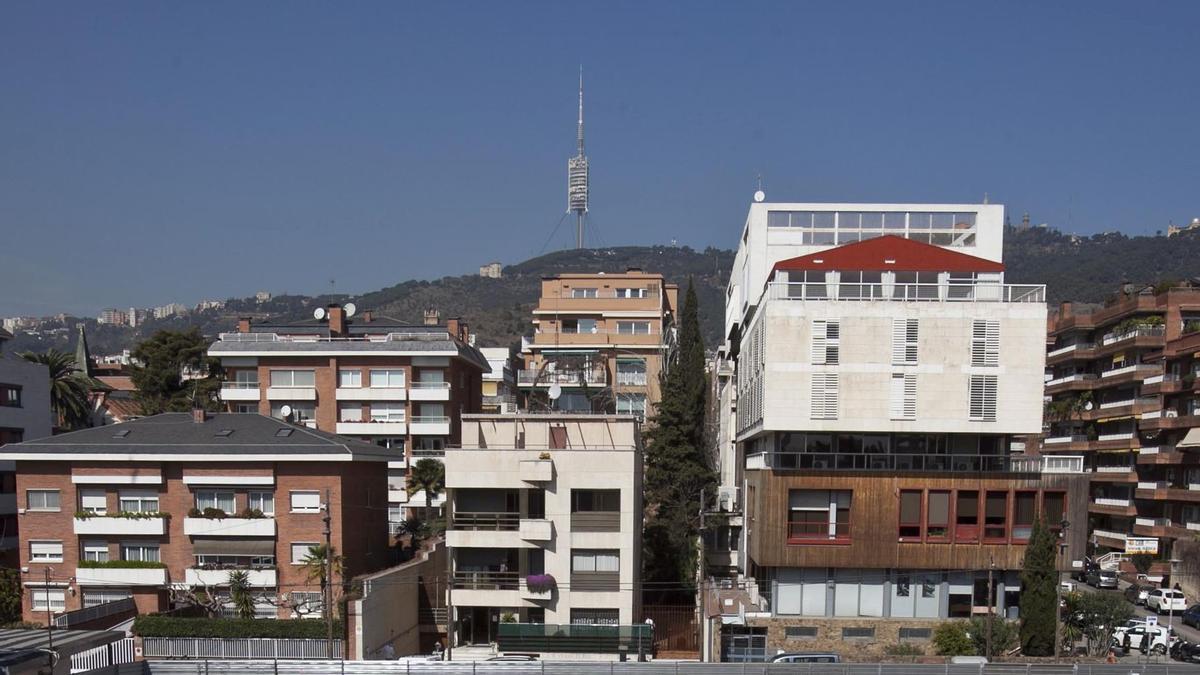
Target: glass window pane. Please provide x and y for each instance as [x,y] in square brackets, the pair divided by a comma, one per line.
[823,219]
[894,221]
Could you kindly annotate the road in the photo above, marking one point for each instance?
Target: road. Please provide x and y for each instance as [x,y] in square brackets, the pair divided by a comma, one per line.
[1186,632]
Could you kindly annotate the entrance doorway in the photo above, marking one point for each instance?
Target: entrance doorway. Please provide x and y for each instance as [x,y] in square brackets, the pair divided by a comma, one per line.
[478,626]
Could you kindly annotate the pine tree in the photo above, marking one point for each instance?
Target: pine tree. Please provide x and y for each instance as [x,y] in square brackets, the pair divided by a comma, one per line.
[677,467]
[1038,592]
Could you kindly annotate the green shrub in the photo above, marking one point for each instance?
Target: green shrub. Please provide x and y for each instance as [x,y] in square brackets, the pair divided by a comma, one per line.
[953,638]
[123,564]
[903,649]
[129,515]
[153,625]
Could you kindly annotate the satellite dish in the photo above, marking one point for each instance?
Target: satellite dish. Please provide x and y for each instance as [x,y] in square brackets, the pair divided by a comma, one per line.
[286,410]
[350,309]
[759,195]
[319,313]
[555,392]
[1088,406]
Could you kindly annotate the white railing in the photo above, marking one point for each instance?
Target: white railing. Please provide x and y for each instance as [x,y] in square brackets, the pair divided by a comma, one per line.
[430,419]
[239,385]
[1055,440]
[631,379]
[238,648]
[1152,485]
[1077,377]
[1122,436]
[88,614]
[1154,380]
[430,385]
[1110,561]
[1153,522]
[1114,469]
[650,295]
[390,337]
[1152,414]
[1109,501]
[1137,367]
[953,292]
[1109,534]
[568,377]
[1116,404]
[1070,348]
[122,651]
[1113,338]
[1061,463]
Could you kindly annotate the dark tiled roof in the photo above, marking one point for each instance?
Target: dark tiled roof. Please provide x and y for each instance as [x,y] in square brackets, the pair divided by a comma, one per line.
[177,434]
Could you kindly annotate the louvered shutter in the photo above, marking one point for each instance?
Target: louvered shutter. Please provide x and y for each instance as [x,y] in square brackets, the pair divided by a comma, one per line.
[904,342]
[983,398]
[985,343]
[824,396]
[818,342]
[904,396]
[826,336]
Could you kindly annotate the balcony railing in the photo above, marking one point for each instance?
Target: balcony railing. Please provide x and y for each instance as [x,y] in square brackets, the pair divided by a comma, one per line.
[631,379]
[487,580]
[428,452]
[596,581]
[1070,348]
[493,521]
[914,462]
[430,419]
[1076,377]
[430,385]
[390,337]
[239,385]
[87,614]
[807,532]
[974,292]
[1145,331]
[568,377]
[596,521]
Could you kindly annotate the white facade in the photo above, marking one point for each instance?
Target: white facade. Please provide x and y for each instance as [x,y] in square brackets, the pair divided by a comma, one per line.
[557,495]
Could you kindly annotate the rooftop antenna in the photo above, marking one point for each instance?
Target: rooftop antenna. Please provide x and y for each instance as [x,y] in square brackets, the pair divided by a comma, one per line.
[985,198]
[577,175]
[759,195]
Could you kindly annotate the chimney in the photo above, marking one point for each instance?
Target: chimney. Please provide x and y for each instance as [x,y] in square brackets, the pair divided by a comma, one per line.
[432,317]
[452,327]
[337,320]
[368,316]
[199,415]
[1065,310]
[243,324]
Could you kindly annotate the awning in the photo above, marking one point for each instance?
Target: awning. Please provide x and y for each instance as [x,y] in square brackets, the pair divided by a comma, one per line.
[1192,440]
[230,546]
[1117,418]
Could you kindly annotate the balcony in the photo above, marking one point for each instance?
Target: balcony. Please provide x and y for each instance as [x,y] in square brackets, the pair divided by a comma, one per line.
[536,529]
[631,379]
[1061,440]
[291,393]
[1078,347]
[597,377]
[1110,538]
[536,470]
[784,461]
[229,527]
[371,393]
[240,391]
[105,525]
[1139,371]
[430,425]
[259,578]
[121,576]
[1145,331]
[430,391]
[489,521]
[372,428]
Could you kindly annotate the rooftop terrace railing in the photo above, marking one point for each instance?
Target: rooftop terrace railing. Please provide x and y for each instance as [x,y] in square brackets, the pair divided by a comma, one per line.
[304,338]
[895,292]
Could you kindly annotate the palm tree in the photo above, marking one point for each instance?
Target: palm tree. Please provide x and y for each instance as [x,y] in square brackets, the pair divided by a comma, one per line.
[428,475]
[68,390]
[314,565]
[240,595]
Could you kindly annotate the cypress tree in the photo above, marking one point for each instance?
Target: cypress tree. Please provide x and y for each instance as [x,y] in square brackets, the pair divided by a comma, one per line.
[677,466]
[1038,590]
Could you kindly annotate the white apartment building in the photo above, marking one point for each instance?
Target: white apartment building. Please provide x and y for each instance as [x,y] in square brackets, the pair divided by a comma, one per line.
[545,525]
[25,414]
[876,371]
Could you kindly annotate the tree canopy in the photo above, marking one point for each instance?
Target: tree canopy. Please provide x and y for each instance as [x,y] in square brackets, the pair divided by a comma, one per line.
[1039,582]
[68,388]
[164,358]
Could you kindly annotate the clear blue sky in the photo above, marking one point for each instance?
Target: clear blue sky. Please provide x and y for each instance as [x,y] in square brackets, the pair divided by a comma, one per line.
[164,151]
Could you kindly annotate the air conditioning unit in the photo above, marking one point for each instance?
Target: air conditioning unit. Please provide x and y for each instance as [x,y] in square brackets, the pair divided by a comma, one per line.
[727,498]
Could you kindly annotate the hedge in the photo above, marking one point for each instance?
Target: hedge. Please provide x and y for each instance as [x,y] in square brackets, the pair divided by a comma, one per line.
[151,625]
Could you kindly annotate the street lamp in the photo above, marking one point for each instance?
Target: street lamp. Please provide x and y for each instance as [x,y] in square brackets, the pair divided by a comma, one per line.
[1062,549]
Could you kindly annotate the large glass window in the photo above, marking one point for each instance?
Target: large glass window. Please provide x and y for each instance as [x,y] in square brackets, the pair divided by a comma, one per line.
[382,411]
[587,501]
[42,500]
[215,499]
[818,516]
[392,378]
[583,292]
[138,501]
[631,404]
[293,378]
[1024,509]
[350,412]
[995,516]
[631,372]
[263,501]
[94,551]
[937,523]
[966,516]
[139,552]
[633,327]
[595,561]
[350,378]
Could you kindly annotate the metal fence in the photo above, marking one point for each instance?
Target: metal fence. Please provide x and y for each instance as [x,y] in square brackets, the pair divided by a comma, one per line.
[87,614]
[238,648]
[117,653]
[655,668]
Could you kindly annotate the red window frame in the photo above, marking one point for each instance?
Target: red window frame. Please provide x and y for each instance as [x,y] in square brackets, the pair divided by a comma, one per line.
[1033,515]
[967,533]
[993,532]
[912,530]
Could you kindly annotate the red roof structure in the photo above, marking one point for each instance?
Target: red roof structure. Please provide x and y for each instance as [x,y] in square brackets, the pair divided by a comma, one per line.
[890,253]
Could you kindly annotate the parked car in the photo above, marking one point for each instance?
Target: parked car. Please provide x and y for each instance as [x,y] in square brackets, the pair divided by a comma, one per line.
[1191,616]
[1102,578]
[1166,600]
[806,657]
[1136,593]
[1081,573]
[1188,652]
[1144,637]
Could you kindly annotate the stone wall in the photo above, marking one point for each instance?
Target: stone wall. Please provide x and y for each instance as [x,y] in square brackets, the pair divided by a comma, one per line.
[829,636]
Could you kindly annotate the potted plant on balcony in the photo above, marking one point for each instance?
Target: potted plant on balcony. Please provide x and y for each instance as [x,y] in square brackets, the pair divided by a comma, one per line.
[540,583]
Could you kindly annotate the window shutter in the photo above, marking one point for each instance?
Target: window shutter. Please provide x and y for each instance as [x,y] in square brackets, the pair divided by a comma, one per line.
[824,396]
[983,398]
[904,342]
[825,342]
[904,396]
[818,342]
[985,343]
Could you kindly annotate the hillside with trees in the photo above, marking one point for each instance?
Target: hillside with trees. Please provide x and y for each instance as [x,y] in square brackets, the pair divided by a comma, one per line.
[1081,269]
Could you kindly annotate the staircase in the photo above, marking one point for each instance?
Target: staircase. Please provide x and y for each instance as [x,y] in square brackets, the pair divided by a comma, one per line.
[1110,561]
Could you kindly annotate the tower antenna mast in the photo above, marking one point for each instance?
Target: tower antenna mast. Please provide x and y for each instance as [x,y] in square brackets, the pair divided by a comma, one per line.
[577,176]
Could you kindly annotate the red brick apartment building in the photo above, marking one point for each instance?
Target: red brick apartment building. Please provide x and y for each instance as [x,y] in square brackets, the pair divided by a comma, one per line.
[115,512]
[383,381]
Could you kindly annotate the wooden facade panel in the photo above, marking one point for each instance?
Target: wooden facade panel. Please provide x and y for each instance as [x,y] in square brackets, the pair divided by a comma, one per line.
[874,541]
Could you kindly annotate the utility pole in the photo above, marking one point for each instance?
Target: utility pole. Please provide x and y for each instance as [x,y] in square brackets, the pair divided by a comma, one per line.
[991,604]
[450,573]
[49,619]
[1062,549]
[327,591]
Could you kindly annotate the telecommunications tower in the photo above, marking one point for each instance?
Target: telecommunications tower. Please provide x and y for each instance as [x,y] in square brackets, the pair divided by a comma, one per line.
[577,176]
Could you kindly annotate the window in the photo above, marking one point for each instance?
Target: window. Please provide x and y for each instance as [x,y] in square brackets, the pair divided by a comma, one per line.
[41,500]
[95,551]
[631,404]
[583,292]
[825,341]
[799,632]
[983,398]
[306,501]
[246,379]
[214,499]
[45,551]
[937,518]
[633,327]
[10,396]
[350,412]
[140,552]
[387,412]
[100,596]
[1054,506]
[388,379]
[595,561]
[138,501]
[907,633]
[93,501]
[301,551]
[263,501]
[818,516]
[995,516]
[579,325]
[859,632]
[904,342]
[631,372]
[633,293]
[985,343]
[910,514]
[966,516]
[293,378]
[245,408]
[350,378]
[904,396]
[48,599]
[586,501]
[1024,508]
[595,617]
[824,396]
